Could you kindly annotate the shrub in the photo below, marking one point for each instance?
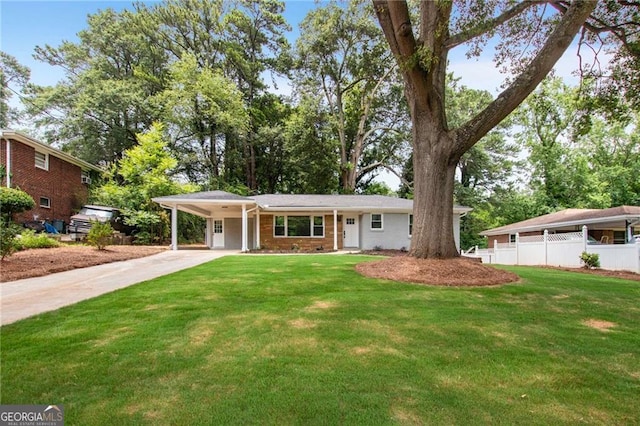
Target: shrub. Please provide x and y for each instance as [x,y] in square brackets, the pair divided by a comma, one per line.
[14,201]
[100,235]
[8,233]
[143,239]
[590,260]
[30,240]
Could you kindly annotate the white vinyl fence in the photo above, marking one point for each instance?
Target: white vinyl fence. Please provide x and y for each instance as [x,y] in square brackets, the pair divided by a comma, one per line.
[560,250]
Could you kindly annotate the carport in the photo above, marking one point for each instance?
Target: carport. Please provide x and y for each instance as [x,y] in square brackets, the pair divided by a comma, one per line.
[224,212]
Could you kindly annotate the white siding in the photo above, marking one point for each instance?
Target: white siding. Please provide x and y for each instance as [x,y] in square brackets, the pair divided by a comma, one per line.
[394,235]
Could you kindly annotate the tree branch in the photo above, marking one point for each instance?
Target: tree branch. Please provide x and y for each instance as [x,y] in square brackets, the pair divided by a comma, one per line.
[555,46]
[490,25]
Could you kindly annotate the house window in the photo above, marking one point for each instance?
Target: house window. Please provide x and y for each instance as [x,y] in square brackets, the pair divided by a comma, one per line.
[217,227]
[45,202]
[410,224]
[279,226]
[298,226]
[318,226]
[85,178]
[376,222]
[512,238]
[42,160]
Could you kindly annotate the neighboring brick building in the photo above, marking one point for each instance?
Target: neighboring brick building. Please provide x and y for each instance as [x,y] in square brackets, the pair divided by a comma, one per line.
[57,182]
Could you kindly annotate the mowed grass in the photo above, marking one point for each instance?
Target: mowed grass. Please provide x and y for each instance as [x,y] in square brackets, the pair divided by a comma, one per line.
[306,340]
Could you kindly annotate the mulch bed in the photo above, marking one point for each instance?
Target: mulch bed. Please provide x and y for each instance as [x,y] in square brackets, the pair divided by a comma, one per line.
[446,272]
[455,273]
[40,262]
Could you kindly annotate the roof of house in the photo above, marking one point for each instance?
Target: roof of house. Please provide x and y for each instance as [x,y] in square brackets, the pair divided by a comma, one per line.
[206,195]
[332,201]
[47,149]
[569,217]
[293,202]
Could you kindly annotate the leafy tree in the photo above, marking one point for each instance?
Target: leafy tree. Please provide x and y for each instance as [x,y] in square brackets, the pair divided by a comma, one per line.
[612,151]
[102,103]
[13,201]
[532,38]
[203,108]
[144,172]
[341,54]
[310,151]
[548,119]
[12,73]
[241,40]
[378,188]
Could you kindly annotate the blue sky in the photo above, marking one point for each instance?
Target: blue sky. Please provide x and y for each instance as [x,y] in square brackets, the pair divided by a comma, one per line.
[27,24]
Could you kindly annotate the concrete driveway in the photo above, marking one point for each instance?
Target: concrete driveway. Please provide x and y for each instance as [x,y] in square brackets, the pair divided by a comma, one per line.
[24,298]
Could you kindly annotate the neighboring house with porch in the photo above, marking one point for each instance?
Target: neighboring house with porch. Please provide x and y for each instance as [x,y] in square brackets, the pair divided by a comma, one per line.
[305,222]
[616,225]
[57,181]
[560,238]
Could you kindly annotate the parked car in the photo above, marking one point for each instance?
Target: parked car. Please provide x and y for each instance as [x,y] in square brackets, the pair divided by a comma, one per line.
[81,223]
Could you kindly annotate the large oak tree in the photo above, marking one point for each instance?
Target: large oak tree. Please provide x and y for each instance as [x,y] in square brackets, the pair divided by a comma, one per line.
[535,34]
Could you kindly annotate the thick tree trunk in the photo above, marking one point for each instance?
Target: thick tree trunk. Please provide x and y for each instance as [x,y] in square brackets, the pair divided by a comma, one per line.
[434,169]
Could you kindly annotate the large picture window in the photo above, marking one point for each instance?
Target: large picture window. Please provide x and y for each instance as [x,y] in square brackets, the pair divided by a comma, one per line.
[298,226]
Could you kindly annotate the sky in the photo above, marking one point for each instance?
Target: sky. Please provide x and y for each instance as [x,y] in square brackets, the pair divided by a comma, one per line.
[26,24]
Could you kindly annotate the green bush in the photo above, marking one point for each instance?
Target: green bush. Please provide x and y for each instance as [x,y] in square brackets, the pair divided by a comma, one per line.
[143,239]
[590,260]
[8,233]
[30,240]
[14,201]
[100,235]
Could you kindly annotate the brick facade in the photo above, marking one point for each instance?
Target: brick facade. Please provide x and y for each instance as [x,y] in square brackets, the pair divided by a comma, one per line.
[61,183]
[271,242]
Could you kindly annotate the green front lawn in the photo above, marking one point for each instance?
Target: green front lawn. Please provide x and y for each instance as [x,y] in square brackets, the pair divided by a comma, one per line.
[306,340]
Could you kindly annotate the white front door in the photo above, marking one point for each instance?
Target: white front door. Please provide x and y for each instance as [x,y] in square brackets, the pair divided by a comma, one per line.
[351,235]
[218,233]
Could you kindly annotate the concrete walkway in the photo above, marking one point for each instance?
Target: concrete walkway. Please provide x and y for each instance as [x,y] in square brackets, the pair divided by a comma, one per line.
[24,298]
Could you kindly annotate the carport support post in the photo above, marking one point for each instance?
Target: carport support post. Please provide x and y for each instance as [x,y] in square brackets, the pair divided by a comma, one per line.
[174,228]
[244,227]
[207,236]
[258,228]
[335,229]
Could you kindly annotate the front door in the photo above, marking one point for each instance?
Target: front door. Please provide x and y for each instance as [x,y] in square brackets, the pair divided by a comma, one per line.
[218,233]
[351,236]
